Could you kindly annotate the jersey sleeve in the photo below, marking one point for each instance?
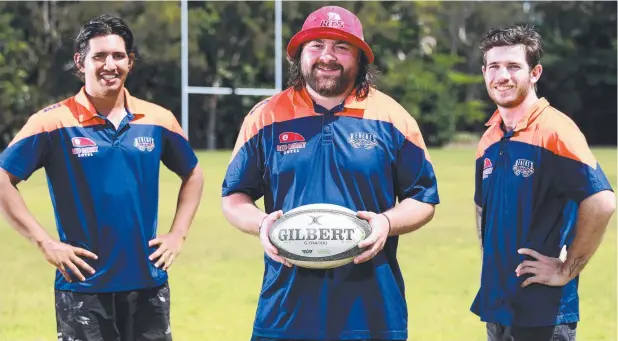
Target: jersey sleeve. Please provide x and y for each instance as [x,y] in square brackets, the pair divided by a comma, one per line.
[578,175]
[245,169]
[416,178]
[177,155]
[29,150]
[478,179]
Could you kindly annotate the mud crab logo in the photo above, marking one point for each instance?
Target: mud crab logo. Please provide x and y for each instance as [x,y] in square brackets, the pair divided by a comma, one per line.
[144,143]
[291,143]
[364,140]
[83,147]
[487,168]
[334,20]
[523,167]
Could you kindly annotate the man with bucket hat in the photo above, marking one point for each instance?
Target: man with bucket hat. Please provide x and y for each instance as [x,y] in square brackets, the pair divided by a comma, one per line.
[331,137]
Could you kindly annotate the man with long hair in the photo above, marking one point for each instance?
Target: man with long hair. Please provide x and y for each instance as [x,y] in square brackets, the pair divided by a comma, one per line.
[333,138]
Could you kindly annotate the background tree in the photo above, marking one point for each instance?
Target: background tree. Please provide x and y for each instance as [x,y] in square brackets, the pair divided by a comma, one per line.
[427,53]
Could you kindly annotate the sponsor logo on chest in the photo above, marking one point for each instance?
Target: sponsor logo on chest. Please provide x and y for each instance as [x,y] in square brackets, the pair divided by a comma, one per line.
[144,144]
[488,168]
[290,142]
[84,147]
[363,140]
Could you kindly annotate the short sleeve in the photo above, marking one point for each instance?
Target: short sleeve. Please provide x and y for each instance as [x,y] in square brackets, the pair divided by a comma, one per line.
[29,150]
[578,175]
[177,155]
[245,170]
[478,181]
[416,178]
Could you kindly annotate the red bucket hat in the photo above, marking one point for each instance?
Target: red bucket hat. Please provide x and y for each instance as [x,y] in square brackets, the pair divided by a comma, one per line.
[330,22]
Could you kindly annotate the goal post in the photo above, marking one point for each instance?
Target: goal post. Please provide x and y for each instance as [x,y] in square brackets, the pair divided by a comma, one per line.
[187,89]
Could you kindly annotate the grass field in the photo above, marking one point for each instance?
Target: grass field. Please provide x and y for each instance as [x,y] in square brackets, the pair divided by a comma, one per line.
[216,280]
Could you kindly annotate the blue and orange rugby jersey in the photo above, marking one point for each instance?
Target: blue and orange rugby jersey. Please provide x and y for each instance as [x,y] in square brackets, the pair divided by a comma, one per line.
[529,183]
[363,155]
[104,183]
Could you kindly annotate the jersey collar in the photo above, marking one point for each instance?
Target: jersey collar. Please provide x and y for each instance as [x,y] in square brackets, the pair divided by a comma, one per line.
[302,99]
[86,110]
[530,116]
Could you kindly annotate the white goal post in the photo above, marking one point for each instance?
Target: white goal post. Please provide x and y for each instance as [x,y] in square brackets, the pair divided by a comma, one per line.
[187,89]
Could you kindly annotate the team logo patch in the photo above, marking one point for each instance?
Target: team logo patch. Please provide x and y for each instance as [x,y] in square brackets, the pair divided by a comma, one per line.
[144,143]
[334,20]
[83,147]
[364,140]
[290,142]
[523,167]
[488,168]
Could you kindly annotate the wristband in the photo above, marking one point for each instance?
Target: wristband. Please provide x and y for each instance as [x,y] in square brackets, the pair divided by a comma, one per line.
[389,222]
[260,226]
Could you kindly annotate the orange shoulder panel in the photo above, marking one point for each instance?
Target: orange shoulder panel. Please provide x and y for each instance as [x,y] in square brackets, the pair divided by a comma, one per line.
[557,133]
[384,108]
[49,119]
[153,114]
[278,108]
[492,135]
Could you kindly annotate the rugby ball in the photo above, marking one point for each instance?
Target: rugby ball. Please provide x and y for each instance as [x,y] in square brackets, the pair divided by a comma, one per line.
[319,236]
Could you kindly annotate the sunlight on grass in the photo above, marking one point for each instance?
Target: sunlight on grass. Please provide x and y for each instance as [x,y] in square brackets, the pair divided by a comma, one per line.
[216,280]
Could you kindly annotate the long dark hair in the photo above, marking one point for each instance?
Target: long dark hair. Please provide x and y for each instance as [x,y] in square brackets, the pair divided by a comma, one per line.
[365,79]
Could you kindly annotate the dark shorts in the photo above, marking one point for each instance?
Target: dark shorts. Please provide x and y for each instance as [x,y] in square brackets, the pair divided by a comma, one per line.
[141,315]
[561,332]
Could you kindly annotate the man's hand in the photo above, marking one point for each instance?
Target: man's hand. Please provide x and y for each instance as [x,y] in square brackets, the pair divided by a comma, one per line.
[170,245]
[66,257]
[269,248]
[376,240]
[546,270]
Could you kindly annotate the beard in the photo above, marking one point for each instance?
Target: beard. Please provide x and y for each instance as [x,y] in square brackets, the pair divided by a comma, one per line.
[329,86]
[512,100]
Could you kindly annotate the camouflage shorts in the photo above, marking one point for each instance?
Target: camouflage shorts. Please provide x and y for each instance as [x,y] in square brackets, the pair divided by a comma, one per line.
[140,315]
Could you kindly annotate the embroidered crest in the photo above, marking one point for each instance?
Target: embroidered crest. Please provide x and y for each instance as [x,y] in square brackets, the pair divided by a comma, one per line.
[144,143]
[523,167]
[364,140]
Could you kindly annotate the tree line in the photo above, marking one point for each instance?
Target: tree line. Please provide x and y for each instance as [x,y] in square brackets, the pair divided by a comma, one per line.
[427,54]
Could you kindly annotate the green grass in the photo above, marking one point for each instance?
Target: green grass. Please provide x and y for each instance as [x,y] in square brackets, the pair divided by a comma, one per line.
[216,280]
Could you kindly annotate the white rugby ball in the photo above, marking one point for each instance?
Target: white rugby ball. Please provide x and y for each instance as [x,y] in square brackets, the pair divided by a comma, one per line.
[319,236]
